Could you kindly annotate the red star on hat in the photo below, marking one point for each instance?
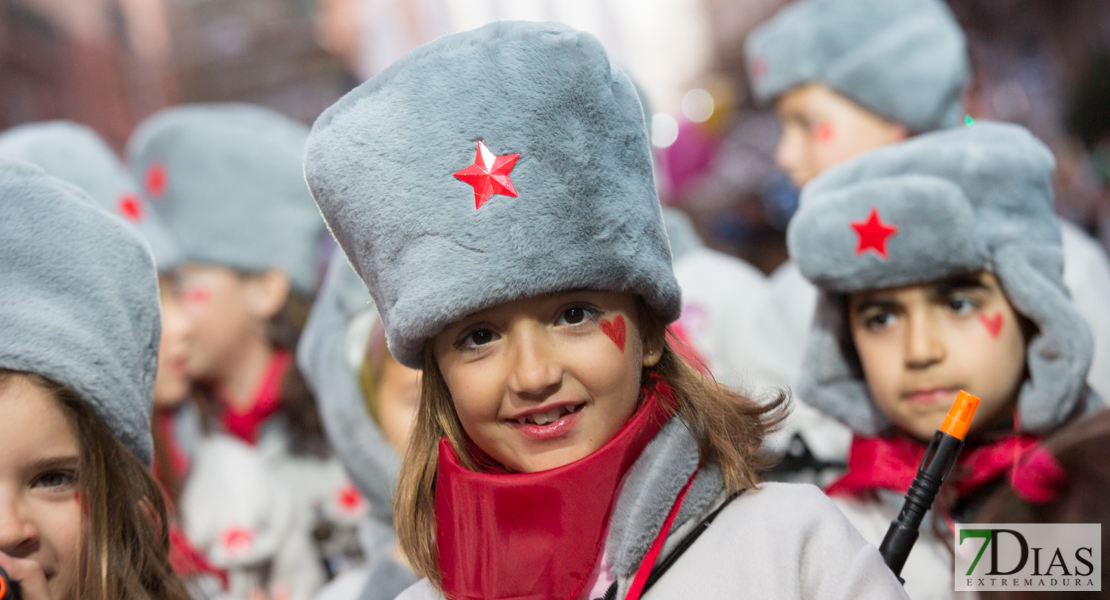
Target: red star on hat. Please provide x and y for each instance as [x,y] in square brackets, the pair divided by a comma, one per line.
[156,179]
[237,540]
[130,207]
[873,233]
[489,175]
[349,499]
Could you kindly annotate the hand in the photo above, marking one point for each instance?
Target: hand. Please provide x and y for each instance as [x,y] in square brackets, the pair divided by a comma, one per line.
[28,574]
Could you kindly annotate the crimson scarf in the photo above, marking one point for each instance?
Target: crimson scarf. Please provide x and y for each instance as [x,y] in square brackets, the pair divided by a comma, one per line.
[267,400]
[890,463]
[533,536]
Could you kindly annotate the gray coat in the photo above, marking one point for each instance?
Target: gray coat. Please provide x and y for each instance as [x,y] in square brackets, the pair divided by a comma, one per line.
[780,541]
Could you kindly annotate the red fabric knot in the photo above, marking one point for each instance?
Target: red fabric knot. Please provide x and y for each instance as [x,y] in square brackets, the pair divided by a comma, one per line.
[130,207]
[873,233]
[489,175]
[267,401]
[156,180]
[1038,476]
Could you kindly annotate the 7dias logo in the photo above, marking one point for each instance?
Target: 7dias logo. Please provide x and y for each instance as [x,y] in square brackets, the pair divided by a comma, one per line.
[1024,556]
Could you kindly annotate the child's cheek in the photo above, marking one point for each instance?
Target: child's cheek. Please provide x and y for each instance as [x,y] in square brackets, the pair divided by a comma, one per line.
[824,133]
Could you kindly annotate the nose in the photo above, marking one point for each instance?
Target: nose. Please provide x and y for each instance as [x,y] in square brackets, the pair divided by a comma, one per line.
[924,346]
[535,373]
[788,155]
[17,533]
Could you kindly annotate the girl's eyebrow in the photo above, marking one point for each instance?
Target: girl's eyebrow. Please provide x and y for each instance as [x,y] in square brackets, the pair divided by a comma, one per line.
[883,303]
[957,284]
[68,461]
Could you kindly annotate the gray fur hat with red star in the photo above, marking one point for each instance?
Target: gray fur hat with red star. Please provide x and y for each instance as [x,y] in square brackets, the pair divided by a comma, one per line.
[75,153]
[491,165]
[943,204]
[227,181]
[905,60]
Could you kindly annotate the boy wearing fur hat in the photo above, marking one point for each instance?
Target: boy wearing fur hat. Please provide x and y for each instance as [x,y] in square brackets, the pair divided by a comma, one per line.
[939,266]
[848,76]
[226,179]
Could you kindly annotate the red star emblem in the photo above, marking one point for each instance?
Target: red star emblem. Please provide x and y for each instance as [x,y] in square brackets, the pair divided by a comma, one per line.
[489,175]
[349,499]
[237,540]
[873,233]
[156,179]
[759,68]
[130,207]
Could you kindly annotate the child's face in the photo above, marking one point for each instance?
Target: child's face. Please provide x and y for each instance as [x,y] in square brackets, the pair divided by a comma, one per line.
[228,312]
[172,383]
[398,399]
[542,382]
[40,514]
[821,128]
[920,344]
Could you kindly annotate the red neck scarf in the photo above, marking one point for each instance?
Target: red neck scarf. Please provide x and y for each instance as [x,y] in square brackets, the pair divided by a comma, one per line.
[267,400]
[533,536]
[890,463]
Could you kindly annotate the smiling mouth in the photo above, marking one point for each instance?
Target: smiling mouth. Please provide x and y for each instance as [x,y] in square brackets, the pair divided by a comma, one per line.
[931,395]
[548,417]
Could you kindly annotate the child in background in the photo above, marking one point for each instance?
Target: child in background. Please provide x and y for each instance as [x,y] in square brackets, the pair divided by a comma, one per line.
[368,404]
[226,179]
[80,514]
[75,153]
[504,216]
[848,76]
[939,265]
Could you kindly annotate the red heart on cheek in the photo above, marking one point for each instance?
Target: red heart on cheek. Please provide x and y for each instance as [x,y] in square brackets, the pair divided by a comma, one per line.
[993,324]
[615,331]
[824,133]
[198,295]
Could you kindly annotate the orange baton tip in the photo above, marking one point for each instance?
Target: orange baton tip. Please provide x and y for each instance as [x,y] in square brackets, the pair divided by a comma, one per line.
[959,416]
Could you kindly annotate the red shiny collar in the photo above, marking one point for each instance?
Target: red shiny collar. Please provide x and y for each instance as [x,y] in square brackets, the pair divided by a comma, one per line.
[533,536]
[890,463]
[267,400]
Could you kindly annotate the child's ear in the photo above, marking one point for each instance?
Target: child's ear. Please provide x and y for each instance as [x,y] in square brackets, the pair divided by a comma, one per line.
[653,350]
[267,293]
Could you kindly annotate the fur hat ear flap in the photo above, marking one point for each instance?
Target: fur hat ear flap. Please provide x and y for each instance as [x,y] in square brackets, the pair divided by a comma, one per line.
[833,381]
[1059,353]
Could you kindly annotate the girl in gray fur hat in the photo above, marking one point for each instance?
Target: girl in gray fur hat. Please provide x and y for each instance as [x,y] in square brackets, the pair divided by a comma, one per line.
[80,514]
[940,268]
[494,191]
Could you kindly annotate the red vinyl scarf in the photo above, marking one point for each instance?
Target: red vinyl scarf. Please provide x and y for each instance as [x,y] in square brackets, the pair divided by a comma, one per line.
[533,536]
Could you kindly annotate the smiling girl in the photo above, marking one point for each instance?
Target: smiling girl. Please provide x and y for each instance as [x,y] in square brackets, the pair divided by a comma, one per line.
[940,266]
[494,190]
[80,514]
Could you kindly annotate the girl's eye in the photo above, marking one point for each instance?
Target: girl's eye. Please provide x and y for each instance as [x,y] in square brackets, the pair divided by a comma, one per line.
[55,479]
[577,314]
[879,321]
[478,337]
[961,306]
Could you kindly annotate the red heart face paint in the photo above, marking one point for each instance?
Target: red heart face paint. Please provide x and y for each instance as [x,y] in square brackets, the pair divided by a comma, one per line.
[993,324]
[824,133]
[615,330]
[196,294]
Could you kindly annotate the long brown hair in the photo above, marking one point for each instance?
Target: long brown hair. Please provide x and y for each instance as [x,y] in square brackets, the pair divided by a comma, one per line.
[125,540]
[729,427]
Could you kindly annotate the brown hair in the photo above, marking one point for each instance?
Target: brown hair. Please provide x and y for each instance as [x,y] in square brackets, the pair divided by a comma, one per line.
[729,427]
[125,543]
[372,370]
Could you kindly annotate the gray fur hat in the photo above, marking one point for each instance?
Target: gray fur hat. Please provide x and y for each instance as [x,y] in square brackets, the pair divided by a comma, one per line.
[903,59]
[227,180]
[942,204]
[568,201]
[78,299]
[75,153]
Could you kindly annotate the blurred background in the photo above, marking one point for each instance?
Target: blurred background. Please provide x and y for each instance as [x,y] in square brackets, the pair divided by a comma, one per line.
[109,63]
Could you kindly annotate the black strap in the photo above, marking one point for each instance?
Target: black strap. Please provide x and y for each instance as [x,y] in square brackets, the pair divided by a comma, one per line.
[685,543]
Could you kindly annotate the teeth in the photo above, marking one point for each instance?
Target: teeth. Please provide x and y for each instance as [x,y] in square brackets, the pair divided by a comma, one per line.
[522,420]
[548,417]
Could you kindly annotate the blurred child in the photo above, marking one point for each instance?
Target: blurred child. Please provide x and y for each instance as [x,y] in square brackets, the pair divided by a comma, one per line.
[939,265]
[368,404]
[75,153]
[848,76]
[80,514]
[504,217]
[227,181]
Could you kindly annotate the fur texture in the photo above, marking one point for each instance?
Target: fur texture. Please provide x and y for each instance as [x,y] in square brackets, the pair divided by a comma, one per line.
[232,190]
[380,163]
[78,299]
[75,153]
[903,59]
[962,200]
